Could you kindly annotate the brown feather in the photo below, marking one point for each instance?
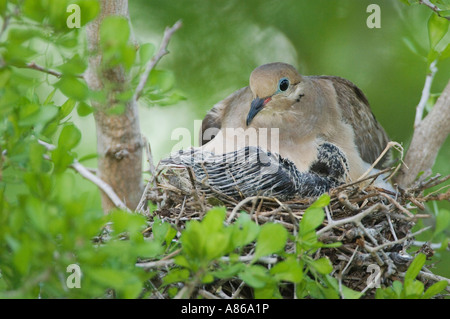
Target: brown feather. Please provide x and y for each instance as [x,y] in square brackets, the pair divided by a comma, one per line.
[370,138]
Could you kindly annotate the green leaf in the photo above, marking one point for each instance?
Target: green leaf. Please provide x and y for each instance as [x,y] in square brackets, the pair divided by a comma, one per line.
[114,34]
[322,265]
[2,7]
[61,160]
[414,268]
[445,53]
[413,289]
[255,276]
[321,202]
[288,270]
[17,55]
[206,241]
[437,28]
[72,87]
[312,218]
[84,109]
[37,116]
[269,291]
[89,10]
[124,281]
[176,275]
[229,271]
[146,52]
[123,221]
[163,232]
[74,66]
[67,107]
[213,220]
[435,289]
[49,97]
[69,138]
[161,80]
[244,231]
[397,288]
[128,56]
[347,292]
[271,239]
[207,278]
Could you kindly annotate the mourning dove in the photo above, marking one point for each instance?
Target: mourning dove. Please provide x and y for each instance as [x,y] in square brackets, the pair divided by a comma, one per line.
[285,135]
[305,111]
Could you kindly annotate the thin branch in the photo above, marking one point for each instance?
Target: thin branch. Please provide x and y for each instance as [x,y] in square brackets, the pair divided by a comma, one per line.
[431,276]
[167,262]
[433,7]
[395,145]
[86,173]
[206,294]
[243,202]
[353,219]
[152,63]
[34,66]
[399,241]
[106,188]
[341,275]
[425,93]
[427,140]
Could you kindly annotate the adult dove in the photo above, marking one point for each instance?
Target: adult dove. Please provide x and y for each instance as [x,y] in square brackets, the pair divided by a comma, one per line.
[285,135]
[305,111]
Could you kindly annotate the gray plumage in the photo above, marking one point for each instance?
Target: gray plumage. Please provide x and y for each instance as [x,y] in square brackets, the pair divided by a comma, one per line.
[312,110]
[285,135]
[252,171]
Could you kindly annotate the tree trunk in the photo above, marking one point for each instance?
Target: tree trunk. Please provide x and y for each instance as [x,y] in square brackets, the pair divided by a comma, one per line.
[427,139]
[119,143]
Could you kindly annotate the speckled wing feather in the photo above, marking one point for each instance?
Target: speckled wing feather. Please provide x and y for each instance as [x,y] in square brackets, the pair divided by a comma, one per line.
[370,138]
[251,171]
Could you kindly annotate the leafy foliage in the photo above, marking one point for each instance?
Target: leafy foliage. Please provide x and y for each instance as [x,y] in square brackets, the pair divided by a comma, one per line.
[205,244]
[45,226]
[411,288]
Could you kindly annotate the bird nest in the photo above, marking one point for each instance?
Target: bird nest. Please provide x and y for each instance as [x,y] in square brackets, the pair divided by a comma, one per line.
[374,225]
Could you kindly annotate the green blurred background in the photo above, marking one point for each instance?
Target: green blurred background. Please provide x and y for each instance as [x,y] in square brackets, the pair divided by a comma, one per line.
[221,42]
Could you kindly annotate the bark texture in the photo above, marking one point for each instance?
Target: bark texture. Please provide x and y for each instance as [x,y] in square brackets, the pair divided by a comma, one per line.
[119,142]
[428,137]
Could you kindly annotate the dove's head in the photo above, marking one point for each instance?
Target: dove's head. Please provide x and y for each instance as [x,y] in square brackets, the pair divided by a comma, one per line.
[283,98]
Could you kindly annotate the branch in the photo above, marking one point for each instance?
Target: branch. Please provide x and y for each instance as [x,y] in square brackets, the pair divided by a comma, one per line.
[428,137]
[106,188]
[433,7]
[152,63]
[83,171]
[168,262]
[34,66]
[353,219]
[398,241]
[425,93]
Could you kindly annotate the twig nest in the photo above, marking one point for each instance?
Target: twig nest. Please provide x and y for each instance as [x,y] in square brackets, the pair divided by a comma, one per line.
[374,225]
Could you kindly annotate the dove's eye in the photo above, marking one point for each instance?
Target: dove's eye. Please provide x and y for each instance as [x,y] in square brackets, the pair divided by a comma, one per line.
[283,84]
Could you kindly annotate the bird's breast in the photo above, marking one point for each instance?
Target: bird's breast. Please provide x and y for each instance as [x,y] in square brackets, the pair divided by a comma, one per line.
[302,153]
